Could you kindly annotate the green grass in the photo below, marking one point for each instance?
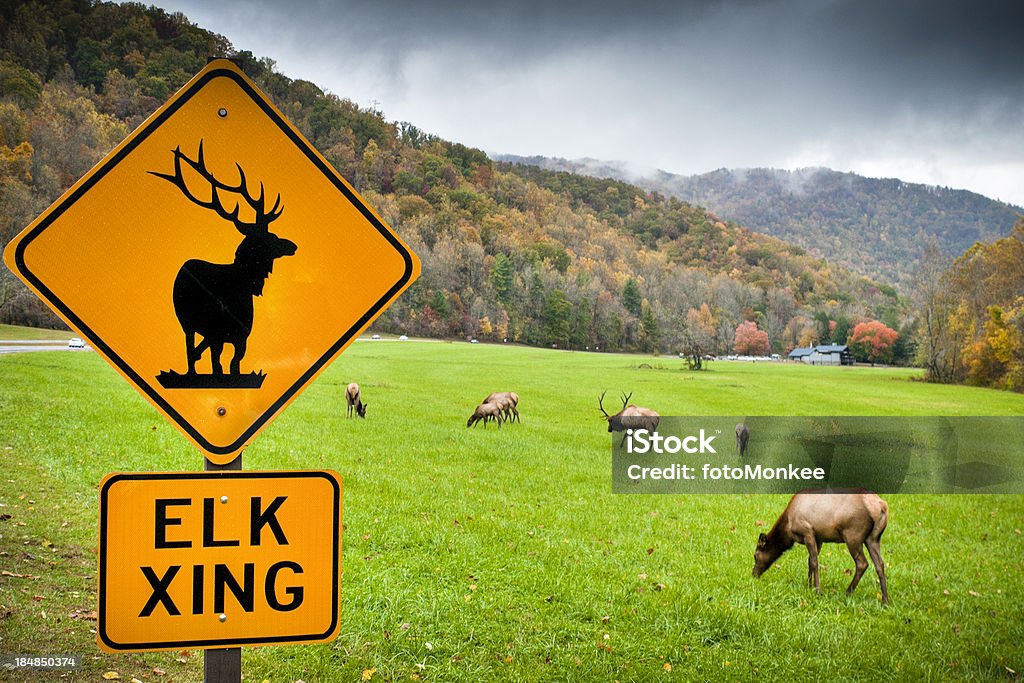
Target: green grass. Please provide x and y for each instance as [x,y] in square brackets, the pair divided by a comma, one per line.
[19,333]
[502,555]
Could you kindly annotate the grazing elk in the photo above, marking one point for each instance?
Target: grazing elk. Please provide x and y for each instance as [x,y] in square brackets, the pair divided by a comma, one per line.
[509,401]
[742,437]
[630,417]
[856,517]
[485,412]
[215,300]
[354,402]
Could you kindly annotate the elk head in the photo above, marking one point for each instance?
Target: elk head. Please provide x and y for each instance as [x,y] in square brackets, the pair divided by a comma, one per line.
[614,421]
[260,247]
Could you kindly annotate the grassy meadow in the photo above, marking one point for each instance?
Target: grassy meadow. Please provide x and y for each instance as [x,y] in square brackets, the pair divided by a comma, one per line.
[487,554]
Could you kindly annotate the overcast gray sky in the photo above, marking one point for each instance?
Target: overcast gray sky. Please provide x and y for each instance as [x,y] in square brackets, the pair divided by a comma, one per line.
[927,91]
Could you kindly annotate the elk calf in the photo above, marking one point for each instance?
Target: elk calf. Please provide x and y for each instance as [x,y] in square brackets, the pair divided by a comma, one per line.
[485,412]
[354,402]
[509,402]
[742,437]
[856,517]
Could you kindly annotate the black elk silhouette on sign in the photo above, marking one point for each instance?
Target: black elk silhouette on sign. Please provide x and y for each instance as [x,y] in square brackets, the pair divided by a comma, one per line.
[215,300]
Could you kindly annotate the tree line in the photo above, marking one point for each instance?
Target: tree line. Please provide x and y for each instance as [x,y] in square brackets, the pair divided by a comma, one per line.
[971,314]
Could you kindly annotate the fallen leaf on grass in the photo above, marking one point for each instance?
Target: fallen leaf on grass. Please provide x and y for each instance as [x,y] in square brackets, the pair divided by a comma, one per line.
[667,667]
[368,674]
[974,593]
[158,671]
[111,676]
[12,575]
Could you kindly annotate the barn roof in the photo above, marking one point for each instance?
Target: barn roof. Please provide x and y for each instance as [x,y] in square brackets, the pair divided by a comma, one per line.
[831,348]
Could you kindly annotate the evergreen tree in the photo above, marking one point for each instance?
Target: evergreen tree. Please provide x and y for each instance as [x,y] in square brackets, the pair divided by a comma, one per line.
[631,299]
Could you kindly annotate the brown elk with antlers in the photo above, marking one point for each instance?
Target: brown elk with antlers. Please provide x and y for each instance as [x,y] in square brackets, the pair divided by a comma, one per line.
[630,417]
[215,300]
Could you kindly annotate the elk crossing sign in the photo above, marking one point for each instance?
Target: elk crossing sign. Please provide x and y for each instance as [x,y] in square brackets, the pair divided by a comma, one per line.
[218,559]
[216,260]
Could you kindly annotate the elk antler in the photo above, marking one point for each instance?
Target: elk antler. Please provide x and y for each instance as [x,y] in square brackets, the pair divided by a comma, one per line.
[600,402]
[625,399]
[258,204]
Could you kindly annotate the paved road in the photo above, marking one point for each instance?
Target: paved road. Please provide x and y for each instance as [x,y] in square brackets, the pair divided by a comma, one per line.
[7,347]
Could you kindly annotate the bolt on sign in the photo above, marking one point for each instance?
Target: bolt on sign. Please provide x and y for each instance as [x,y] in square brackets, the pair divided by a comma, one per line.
[216,260]
[218,559]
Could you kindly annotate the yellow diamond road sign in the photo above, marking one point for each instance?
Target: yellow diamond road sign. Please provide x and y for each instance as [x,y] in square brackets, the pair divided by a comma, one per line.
[218,559]
[215,259]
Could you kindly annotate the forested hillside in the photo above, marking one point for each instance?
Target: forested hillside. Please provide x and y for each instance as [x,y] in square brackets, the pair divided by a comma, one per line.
[508,252]
[875,226]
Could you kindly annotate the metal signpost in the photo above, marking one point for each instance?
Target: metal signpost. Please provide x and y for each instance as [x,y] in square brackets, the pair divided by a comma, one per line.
[219,263]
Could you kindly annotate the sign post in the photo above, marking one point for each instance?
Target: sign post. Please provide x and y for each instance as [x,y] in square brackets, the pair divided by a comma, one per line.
[223,665]
[217,261]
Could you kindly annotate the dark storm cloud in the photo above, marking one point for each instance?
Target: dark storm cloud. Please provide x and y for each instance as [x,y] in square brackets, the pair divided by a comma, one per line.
[930,89]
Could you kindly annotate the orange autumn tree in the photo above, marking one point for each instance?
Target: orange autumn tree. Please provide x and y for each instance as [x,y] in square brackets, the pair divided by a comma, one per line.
[873,341]
[749,340]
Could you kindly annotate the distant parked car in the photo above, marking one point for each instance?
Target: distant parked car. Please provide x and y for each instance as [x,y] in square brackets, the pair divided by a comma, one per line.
[376,336]
[76,343]
[474,341]
[403,338]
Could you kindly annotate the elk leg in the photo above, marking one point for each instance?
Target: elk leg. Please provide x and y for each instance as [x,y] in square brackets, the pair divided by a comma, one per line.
[216,349]
[236,359]
[875,549]
[812,563]
[198,352]
[515,413]
[857,552]
[190,352]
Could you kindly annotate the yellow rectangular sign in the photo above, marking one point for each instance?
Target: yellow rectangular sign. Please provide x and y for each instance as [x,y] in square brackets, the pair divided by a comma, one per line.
[218,559]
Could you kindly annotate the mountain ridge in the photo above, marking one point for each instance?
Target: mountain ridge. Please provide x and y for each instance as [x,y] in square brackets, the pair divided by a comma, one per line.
[875,226]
